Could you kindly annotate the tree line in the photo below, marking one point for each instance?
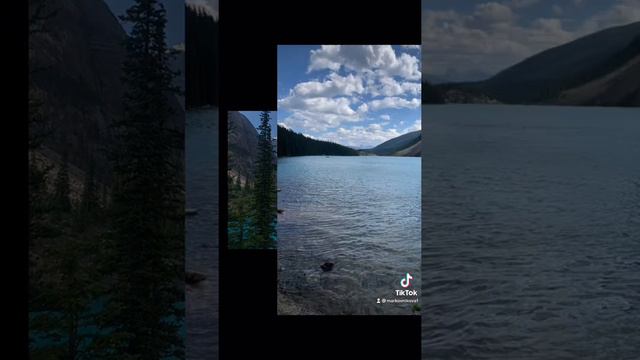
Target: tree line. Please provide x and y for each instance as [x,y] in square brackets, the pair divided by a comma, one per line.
[291,143]
[201,33]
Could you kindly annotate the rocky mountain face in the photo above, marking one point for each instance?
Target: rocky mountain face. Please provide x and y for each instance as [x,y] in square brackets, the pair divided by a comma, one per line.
[76,69]
[597,69]
[243,146]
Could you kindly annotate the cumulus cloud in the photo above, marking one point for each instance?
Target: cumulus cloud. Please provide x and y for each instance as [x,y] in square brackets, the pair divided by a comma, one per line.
[394,102]
[334,85]
[380,58]
[388,86]
[336,106]
[342,105]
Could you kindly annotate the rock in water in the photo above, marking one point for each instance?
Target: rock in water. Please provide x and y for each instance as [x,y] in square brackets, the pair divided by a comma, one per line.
[193,278]
[189,212]
[327,266]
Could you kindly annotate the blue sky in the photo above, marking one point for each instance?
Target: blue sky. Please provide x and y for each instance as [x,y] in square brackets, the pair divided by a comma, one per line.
[467,40]
[355,95]
[254,117]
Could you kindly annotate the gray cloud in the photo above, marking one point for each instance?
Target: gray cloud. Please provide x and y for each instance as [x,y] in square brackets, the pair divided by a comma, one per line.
[473,46]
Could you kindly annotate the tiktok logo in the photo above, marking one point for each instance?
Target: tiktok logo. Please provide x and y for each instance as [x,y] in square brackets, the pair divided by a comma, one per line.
[406,281]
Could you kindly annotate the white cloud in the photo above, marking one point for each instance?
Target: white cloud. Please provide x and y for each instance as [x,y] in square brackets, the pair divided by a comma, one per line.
[335,85]
[394,102]
[314,121]
[385,117]
[388,86]
[417,125]
[336,106]
[411,47]
[380,58]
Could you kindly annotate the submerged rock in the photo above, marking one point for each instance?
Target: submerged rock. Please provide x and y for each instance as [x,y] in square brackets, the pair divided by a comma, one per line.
[193,278]
[328,266]
[190,211]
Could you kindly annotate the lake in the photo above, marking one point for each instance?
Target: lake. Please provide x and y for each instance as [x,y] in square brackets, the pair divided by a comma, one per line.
[361,213]
[531,224]
[201,157]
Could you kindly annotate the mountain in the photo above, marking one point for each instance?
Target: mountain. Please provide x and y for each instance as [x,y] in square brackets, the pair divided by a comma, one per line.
[618,82]
[242,146]
[76,70]
[409,144]
[576,73]
[291,143]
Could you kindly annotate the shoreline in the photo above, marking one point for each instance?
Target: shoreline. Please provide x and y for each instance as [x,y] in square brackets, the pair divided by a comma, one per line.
[286,306]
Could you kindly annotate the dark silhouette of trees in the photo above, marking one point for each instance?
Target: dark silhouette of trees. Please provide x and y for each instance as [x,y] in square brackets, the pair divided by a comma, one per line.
[291,143]
[201,43]
[265,187]
[431,94]
[146,239]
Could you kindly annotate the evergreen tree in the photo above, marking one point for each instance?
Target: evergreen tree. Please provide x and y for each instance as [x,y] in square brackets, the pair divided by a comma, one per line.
[291,143]
[89,203]
[147,238]
[61,200]
[264,189]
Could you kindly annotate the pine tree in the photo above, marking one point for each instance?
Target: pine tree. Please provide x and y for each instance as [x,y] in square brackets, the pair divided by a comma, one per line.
[264,189]
[89,203]
[61,195]
[147,239]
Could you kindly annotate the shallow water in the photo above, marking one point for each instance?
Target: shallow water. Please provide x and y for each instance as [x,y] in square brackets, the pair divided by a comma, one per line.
[531,232]
[202,233]
[361,213]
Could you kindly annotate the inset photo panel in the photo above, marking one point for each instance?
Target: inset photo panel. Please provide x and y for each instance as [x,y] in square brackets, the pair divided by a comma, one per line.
[251,177]
[349,180]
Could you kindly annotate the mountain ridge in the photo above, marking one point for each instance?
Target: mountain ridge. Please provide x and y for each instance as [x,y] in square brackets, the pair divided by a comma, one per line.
[291,143]
[545,76]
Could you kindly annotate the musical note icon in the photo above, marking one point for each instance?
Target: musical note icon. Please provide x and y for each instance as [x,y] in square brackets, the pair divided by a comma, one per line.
[406,281]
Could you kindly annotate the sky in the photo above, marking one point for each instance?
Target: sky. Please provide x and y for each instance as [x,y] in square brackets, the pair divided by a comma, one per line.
[472,40]
[254,117]
[355,95]
[175,17]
